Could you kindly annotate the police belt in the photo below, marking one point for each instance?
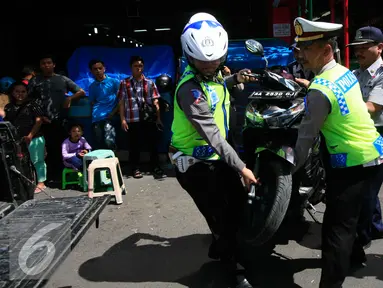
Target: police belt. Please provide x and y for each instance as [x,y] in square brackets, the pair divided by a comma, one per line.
[181,161]
[374,162]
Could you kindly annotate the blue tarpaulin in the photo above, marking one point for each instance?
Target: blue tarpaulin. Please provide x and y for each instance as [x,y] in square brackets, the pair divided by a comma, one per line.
[276,51]
[158,60]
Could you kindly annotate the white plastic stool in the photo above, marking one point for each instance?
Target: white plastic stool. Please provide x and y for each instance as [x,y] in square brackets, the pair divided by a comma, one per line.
[89,157]
[111,165]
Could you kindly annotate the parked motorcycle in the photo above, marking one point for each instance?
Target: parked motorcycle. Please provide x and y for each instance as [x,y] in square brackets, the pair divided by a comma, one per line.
[272,119]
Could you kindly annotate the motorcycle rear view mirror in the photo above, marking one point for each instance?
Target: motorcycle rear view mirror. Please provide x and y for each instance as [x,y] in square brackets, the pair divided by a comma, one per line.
[256,48]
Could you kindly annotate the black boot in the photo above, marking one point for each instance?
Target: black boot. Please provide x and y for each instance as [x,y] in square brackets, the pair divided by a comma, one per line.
[237,274]
[213,251]
[358,257]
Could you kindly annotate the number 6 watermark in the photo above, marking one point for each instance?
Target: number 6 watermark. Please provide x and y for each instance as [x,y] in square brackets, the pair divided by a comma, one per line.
[32,245]
[40,249]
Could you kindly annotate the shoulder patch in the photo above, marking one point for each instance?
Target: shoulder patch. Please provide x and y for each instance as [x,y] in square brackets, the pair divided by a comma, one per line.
[197,95]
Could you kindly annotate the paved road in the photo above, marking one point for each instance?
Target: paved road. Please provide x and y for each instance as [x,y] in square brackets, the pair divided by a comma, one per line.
[157,238]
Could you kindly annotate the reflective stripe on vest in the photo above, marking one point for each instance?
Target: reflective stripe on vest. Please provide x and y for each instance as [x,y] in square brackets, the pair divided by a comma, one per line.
[339,94]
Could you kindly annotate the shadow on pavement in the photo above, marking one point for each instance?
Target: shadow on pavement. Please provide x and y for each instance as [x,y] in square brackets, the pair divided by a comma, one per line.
[149,258]
[312,239]
[373,269]
[277,272]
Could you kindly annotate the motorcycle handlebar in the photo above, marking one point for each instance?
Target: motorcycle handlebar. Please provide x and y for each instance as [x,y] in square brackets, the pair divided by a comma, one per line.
[251,75]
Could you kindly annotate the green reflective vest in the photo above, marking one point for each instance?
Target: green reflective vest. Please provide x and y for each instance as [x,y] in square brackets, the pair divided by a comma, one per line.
[350,134]
[185,137]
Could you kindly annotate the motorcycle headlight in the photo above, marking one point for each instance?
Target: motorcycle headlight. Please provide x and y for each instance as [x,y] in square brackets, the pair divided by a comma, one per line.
[285,116]
[272,115]
[253,116]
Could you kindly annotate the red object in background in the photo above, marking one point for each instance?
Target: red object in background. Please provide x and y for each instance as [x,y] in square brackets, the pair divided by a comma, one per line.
[282,27]
[282,2]
[346,35]
[332,10]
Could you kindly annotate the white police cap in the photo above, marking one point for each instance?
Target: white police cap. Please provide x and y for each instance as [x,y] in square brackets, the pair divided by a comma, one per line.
[307,30]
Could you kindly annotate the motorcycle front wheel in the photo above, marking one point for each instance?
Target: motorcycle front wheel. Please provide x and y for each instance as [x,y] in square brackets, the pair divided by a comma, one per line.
[263,217]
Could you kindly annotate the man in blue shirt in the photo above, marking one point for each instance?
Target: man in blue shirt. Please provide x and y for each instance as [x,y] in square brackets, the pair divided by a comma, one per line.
[104,101]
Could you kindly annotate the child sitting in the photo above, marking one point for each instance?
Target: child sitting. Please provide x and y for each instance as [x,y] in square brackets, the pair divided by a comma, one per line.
[74,148]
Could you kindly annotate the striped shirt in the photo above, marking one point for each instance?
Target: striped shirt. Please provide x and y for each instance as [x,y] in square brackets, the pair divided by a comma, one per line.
[134,93]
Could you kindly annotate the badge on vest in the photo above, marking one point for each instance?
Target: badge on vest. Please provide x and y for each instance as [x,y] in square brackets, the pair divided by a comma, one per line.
[214,96]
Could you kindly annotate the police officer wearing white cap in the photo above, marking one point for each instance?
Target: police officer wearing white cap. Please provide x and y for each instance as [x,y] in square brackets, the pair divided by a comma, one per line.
[335,108]
[368,46]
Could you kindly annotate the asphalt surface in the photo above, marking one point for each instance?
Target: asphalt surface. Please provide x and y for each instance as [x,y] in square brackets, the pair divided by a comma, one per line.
[157,238]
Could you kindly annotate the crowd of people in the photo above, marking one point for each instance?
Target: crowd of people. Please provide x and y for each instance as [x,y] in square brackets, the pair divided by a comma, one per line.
[39,104]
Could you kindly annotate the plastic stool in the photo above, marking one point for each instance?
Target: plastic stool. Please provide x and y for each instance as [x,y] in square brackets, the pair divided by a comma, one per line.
[116,187]
[88,158]
[67,174]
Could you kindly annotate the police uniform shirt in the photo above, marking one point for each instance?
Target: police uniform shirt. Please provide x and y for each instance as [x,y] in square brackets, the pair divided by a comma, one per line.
[371,84]
[193,102]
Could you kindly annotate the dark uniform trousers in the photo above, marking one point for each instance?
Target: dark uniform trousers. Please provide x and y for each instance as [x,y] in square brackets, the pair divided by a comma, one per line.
[370,221]
[344,198]
[219,194]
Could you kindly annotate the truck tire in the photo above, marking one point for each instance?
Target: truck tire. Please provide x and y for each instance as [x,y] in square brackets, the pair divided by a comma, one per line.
[264,216]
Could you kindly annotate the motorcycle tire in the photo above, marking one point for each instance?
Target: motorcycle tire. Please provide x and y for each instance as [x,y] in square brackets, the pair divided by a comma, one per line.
[264,216]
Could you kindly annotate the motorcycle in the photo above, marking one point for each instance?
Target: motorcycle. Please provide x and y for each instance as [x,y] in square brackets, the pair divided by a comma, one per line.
[272,118]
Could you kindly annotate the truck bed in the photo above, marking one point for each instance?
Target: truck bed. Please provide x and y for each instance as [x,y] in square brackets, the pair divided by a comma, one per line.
[38,235]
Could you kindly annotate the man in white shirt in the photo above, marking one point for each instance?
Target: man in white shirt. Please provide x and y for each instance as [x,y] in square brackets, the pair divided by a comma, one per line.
[368,46]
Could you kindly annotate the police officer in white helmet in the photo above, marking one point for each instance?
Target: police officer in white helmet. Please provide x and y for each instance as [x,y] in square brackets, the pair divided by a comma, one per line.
[207,167]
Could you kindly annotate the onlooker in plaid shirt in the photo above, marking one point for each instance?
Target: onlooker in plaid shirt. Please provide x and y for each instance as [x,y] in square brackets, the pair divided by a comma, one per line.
[133,93]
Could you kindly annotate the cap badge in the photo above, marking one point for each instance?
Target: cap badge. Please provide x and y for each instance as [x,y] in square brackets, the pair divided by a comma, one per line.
[298,28]
[358,34]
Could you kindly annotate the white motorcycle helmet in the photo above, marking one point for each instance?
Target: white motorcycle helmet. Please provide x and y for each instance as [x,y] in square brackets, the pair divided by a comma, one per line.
[204,38]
